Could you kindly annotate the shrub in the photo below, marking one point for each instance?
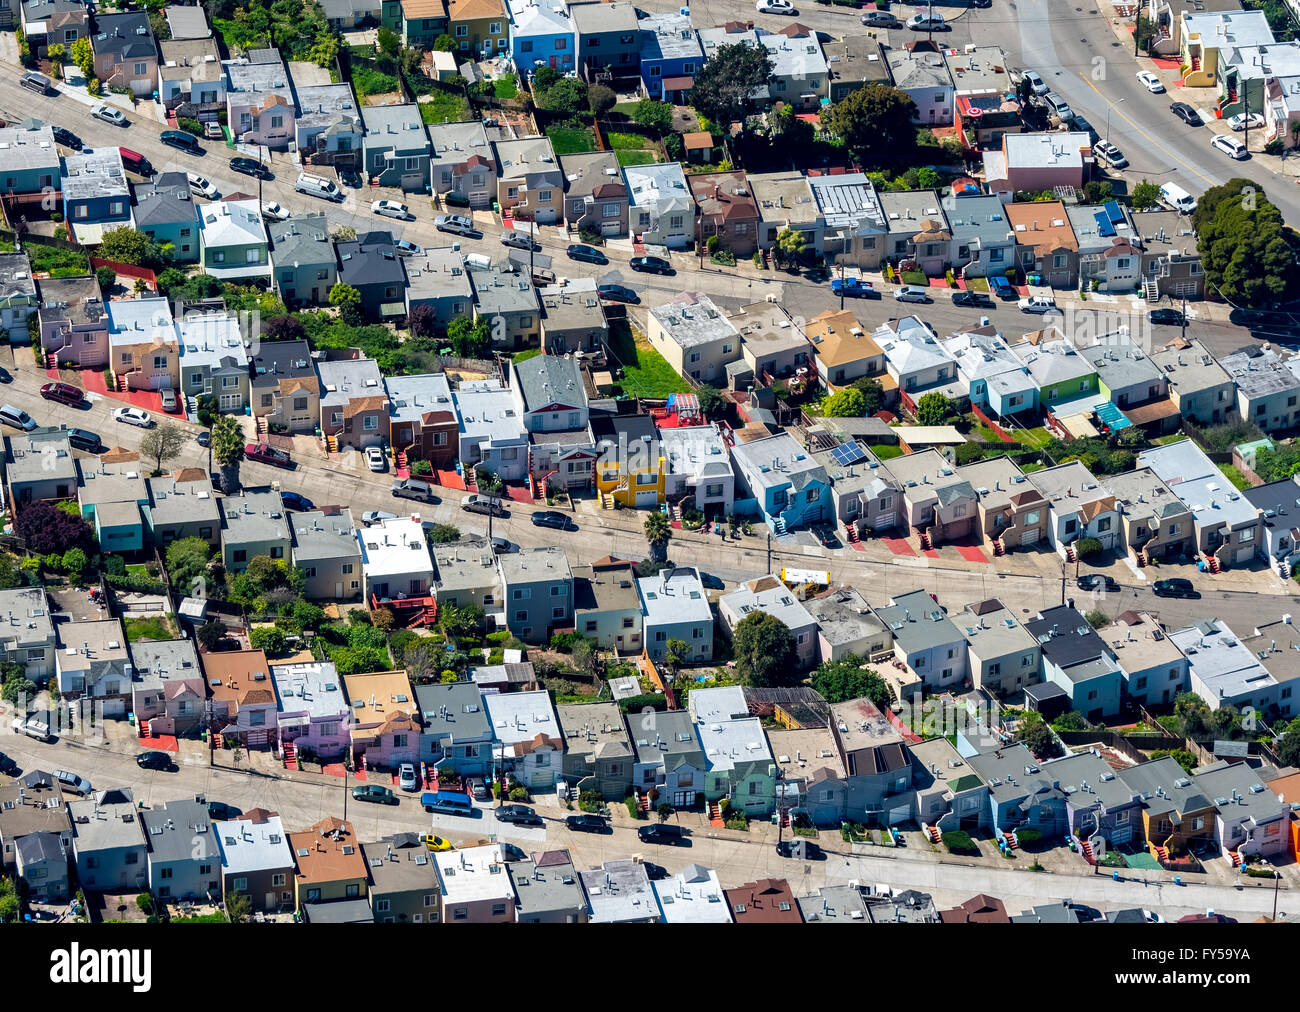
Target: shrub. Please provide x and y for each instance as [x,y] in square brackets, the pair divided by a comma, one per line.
[106,276]
[637,703]
[421,468]
[632,808]
[1087,548]
[519,793]
[269,639]
[958,841]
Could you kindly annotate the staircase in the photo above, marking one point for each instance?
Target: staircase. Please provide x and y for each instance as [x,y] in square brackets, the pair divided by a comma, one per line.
[1212,561]
[1141,557]
[471,482]
[1151,290]
[851,533]
[643,802]
[638,245]
[932,832]
[1160,853]
[399,459]
[715,814]
[997,547]
[924,538]
[290,756]
[144,729]
[331,444]
[778,525]
[1284,569]
[1069,554]
[1010,840]
[217,742]
[1196,63]
[262,427]
[1085,848]
[675,512]
[606,501]
[507,219]
[1235,858]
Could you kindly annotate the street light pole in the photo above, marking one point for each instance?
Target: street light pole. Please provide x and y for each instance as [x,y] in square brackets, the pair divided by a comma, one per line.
[1108,108]
[1137,25]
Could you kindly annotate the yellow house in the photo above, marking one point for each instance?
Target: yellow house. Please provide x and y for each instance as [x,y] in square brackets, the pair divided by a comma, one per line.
[479,26]
[630,464]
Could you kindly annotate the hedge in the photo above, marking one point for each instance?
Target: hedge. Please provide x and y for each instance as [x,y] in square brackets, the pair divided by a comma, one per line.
[652,701]
[128,582]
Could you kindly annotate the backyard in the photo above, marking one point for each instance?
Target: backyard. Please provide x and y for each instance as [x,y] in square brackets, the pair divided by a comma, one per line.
[632,149]
[571,140]
[646,373]
[439,106]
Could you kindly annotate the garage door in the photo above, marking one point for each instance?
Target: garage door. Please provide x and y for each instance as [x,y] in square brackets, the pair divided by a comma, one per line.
[1030,537]
[885,521]
[115,708]
[901,814]
[1245,554]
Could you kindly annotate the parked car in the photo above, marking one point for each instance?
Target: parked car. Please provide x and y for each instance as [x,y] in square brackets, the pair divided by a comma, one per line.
[435,843]
[973,300]
[457,225]
[775,7]
[201,186]
[67,138]
[519,240]
[64,393]
[825,535]
[1081,125]
[588,824]
[651,265]
[406,248]
[271,211]
[8,766]
[518,815]
[350,178]
[374,793]
[554,519]
[183,140]
[169,401]
[880,19]
[84,439]
[1167,317]
[1002,287]
[911,293]
[74,782]
[156,760]
[485,504]
[204,438]
[502,546]
[857,288]
[134,416]
[414,488]
[1057,105]
[1185,113]
[671,836]
[407,779]
[1097,581]
[1036,84]
[1110,155]
[1240,121]
[587,254]
[711,582]
[801,850]
[376,517]
[109,115]
[1036,304]
[250,167]
[5,376]
[297,501]
[221,812]
[617,293]
[268,454]
[212,131]
[1150,82]
[1230,146]
[391,209]
[928,23]
[1175,586]
[376,459]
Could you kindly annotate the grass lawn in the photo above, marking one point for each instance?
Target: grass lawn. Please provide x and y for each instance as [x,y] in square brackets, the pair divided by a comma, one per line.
[1030,468]
[1173,437]
[150,627]
[620,141]
[445,107]
[635,156]
[571,140]
[506,87]
[524,356]
[626,108]
[646,373]
[59,263]
[886,452]
[1037,437]
[1236,477]
[977,285]
[369,81]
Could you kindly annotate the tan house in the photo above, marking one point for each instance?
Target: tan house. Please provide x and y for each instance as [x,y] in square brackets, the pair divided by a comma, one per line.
[143,347]
[529,181]
[328,863]
[844,352]
[1045,242]
[284,388]
[726,208]
[385,732]
[1012,512]
[126,55]
[479,26]
[243,700]
[354,403]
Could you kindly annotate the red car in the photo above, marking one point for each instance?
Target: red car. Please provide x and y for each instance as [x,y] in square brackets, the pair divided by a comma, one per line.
[64,393]
[268,454]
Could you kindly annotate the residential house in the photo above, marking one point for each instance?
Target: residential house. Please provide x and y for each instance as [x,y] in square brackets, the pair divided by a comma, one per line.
[29,804]
[916,360]
[595,194]
[852,223]
[507,300]
[422,419]
[1125,374]
[986,102]
[260,107]
[846,626]
[403,881]
[256,861]
[526,738]
[926,642]
[1155,670]
[328,127]
[31,159]
[836,905]
[491,433]
[1004,656]
[541,35]
[662,212]
[609,44]
[92,663]
[695,336]
[936,500]
[41,861]
[284,388]
[370,264]
[213,359]
[698,469]
[143,345]
[1267,387]
[995,380]
[303,266]
[1110,250]
[1171,263]
[538,592]
[1169,24]
[790,488]
[475,886]
[843,351]
[547,890]
[1199,386]
[674,606]
[700,147]
[397,568]
[18,298]
[506,677]
[812,782]
[167,687]
[1176,813]
[396,146]
[800,74]
[440,282]
[165,211]
[38,466]
[1278,547]
[96,194]
[462,162]
[862,493]
[598,752]
[785,200]
[854,61]
[126,55]
[1046,245]
[191,77]
[27,632]
[670,55]
[1038,161]
[108,842]
[480,27]
[606,606]
[243,701]
[949,793]
[670,760]
[1225,671]
[184,22]
[1251,820]
[692,896]
[1061,374]
[1077,659]
[328,864]
[981,909]
[49,22]
[385,726]
[1228,527]
[918,230]
[631,468]
[529,181]
[1155,522]
[740,766]
[725,208]
[457,734]
[1012,512]
[326,552]
[353,407]
[342,14]
[1021,793]
[767,901]
[183,851]
[572,318]
[1080,506]
[773,345]
[983,243]
[620,892]
[769,594]
[551,399]
[253,524]
[465,573]
[1208,39]
[924,77]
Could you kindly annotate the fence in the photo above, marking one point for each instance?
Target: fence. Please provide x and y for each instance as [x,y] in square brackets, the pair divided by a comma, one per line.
[126,271]
[1130,745]
[1002,435]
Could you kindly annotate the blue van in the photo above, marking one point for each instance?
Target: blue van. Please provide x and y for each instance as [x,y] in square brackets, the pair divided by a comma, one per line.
[1001,286]
[447,802]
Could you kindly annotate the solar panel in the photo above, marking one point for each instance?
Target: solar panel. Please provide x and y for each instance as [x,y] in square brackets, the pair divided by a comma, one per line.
[848,453]
[1104,227]
[1113,211]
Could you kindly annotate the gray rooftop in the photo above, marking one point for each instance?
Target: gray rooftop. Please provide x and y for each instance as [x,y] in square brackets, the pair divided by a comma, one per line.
[692,896]
[1200,484]
[253,516]
[1119,362]
[572,305]
[778,460]
[318,534]
[584,171]
[301,239]
[180,831]
[917,622]
[1243,792]
[977,219]
[912,70]
[550,379]
[25,616]
[259,79]
[844,616]
[439,274]
[182,497]
[94,173]
[347,379]
[548,884]
[453,711]
[593,729]
[855,57]
[535,565]
[76,300]
[40,455]
[619,890]
[1189,367]
[991,629]
[673,735]
[324,104]
[160,661]
[112,821]
[1165,787]
[501,291]
[464,565]
[16,276]
[593,18]
[848,202]
[839,904]
[185,22]
[28,149]
[397,126]
[410,398]
[454,143]
[313,688]
[1143,495]
[692,319]
[1221,660]
[669,35]
[400,863]
[1260,372]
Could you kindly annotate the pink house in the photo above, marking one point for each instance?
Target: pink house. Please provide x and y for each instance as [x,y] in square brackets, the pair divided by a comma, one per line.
[1038,161]
[243,701]
[384,726]
[312,711]
[167,685]
[73,323]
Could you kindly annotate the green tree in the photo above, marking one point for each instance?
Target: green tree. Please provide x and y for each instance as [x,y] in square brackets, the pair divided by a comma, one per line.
[10,905]
[16,684]
[445,44]
[543,78]
[764,651]
[74,563]
[601,99]
[875,122]
[187,560]
[228,448]
[1184,758]
[657,533]
[163,443]
[724,87]
[1288,747]
[790,244]
[1071,720]
[656,116]
[441,534]
[1144,34]
[676,653]
[127,245]
[712,403]
[470,338]
[850,678]
[567,96]
[873,394]
[389,42]
[83,55]
[1245,247]
[664,810]
[210,634]
[1038,737]
[1097,618]
[1192,713]
[268,639]
[238,907]
[845,403]
[348,302]
[460,621]
[934,409]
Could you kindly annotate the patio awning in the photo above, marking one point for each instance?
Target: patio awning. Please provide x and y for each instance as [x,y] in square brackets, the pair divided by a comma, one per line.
[679,83]
[1145,414]
[1112,417]
[392,309]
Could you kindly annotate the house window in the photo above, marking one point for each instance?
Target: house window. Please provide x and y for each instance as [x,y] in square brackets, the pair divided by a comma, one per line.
[370,422]
[526,46]
[239,885]
[313,895]
[462,31]
[252,256]
[494,27]
[115,207]
[277,880]
[460,914]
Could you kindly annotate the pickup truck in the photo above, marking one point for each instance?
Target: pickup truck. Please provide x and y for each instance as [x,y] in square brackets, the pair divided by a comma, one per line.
[854,287]
[268,454]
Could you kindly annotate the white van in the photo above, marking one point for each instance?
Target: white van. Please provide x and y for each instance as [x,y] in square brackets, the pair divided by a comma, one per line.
[317,186]
[1178,198]
[478,261]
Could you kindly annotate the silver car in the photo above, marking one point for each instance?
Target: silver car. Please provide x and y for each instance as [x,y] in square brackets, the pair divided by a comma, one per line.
[912,293]
[880,19]
[456,224]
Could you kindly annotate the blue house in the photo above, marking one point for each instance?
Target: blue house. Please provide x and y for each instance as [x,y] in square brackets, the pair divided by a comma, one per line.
[541,35]
[165,212]
[670,55]
[787,485]
[996,381]
[96,195]
[1079,661]
[113,497]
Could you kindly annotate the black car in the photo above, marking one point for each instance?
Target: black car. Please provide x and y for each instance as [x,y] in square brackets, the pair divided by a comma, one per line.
[587,254]
[617,293]
[553,519]
[350,178]
[1167,317]
[7,765]
[588,824]
[800,850]
[155,761]
[250,167]
[181,139]
[651,265]
[669,836]
[1097,581]
[825,535]
[1185,113]
[67,138]
[83,439]
[1174,587]
[502,546]
[518,815]
[711,582]
[297,502]
[973,300]
[204,438]
[5,377]
[220,811]
[654,872]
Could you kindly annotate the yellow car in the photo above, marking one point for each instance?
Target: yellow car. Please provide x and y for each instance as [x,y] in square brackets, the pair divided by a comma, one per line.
[436,842]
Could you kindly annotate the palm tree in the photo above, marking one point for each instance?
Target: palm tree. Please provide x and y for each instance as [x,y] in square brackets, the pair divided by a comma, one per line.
[657,532]
[228,449]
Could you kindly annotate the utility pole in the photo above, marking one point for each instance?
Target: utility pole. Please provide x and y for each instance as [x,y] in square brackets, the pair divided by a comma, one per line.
[1184,318]
[841,285]
[769,553]
[1277,882]
[1245,98]
[1137,25]
[261,172]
